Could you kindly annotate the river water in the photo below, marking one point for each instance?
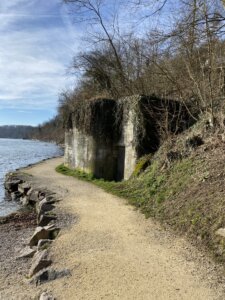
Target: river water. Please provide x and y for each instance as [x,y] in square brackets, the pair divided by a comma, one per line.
[20,153]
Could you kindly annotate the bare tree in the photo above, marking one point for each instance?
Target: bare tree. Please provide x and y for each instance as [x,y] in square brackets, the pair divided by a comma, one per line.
[93,12]
[189,59]
[183,63]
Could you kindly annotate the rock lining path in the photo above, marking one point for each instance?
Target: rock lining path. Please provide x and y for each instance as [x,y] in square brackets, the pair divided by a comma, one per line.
[113,252]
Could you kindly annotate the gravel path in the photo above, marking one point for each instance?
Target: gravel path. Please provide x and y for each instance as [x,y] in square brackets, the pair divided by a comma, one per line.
[113,252]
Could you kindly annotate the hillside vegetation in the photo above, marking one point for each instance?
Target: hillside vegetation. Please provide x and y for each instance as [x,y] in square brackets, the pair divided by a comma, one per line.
[16,131]
[51,131]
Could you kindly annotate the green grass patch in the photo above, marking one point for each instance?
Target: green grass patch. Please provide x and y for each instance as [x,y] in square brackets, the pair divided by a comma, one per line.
[74,173]
[147,191]
[79,174]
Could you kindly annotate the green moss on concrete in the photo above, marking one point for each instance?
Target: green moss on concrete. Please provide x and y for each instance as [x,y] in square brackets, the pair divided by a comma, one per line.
[142,164]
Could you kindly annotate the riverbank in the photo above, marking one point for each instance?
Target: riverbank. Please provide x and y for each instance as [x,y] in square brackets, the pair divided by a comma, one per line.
[18,229]
[15,154]
[112,251]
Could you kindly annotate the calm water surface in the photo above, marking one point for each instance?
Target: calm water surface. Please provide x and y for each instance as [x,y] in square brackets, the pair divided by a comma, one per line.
[20,153]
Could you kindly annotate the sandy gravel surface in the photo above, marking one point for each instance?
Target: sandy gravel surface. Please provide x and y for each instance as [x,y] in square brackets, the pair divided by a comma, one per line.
[13,237]
[113,252]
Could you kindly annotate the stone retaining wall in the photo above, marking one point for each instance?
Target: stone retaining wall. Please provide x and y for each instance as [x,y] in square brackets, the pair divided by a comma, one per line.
[19,187]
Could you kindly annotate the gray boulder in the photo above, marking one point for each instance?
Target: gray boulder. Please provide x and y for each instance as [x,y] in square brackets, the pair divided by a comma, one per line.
[12,185]
[33,196]
[24,200]
[23,188]
[15,196]
[46,275]
[40,261]
[41,196]
[26,253]
[29,191]
[45,219]
[51,199]
[44,206]
[43,243]
[44,233]
[46,296]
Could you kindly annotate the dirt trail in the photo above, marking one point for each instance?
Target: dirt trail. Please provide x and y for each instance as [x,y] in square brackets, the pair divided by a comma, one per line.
[113,252]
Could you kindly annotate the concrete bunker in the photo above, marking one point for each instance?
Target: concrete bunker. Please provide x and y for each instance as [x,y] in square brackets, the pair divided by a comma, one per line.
[106,137]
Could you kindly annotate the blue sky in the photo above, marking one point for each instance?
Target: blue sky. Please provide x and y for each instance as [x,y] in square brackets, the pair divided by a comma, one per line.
[38,41]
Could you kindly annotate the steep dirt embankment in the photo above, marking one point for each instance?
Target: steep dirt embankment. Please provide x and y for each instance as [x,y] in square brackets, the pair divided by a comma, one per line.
[113,252]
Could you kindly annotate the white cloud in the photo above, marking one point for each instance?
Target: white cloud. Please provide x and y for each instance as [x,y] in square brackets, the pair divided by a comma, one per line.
[7,5]
[34,56]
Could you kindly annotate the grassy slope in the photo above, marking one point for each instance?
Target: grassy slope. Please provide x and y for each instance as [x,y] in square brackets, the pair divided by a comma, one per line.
[186,193]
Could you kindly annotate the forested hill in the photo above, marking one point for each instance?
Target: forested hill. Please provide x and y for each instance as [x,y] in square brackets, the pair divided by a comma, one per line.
[16,131]
[50,131]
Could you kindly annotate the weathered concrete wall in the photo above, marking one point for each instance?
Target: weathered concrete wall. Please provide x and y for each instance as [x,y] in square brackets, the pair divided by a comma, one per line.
[68,151]
[85,153]
[105,161]
[108,159]
[111,151]
[128,142]
[79,150]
